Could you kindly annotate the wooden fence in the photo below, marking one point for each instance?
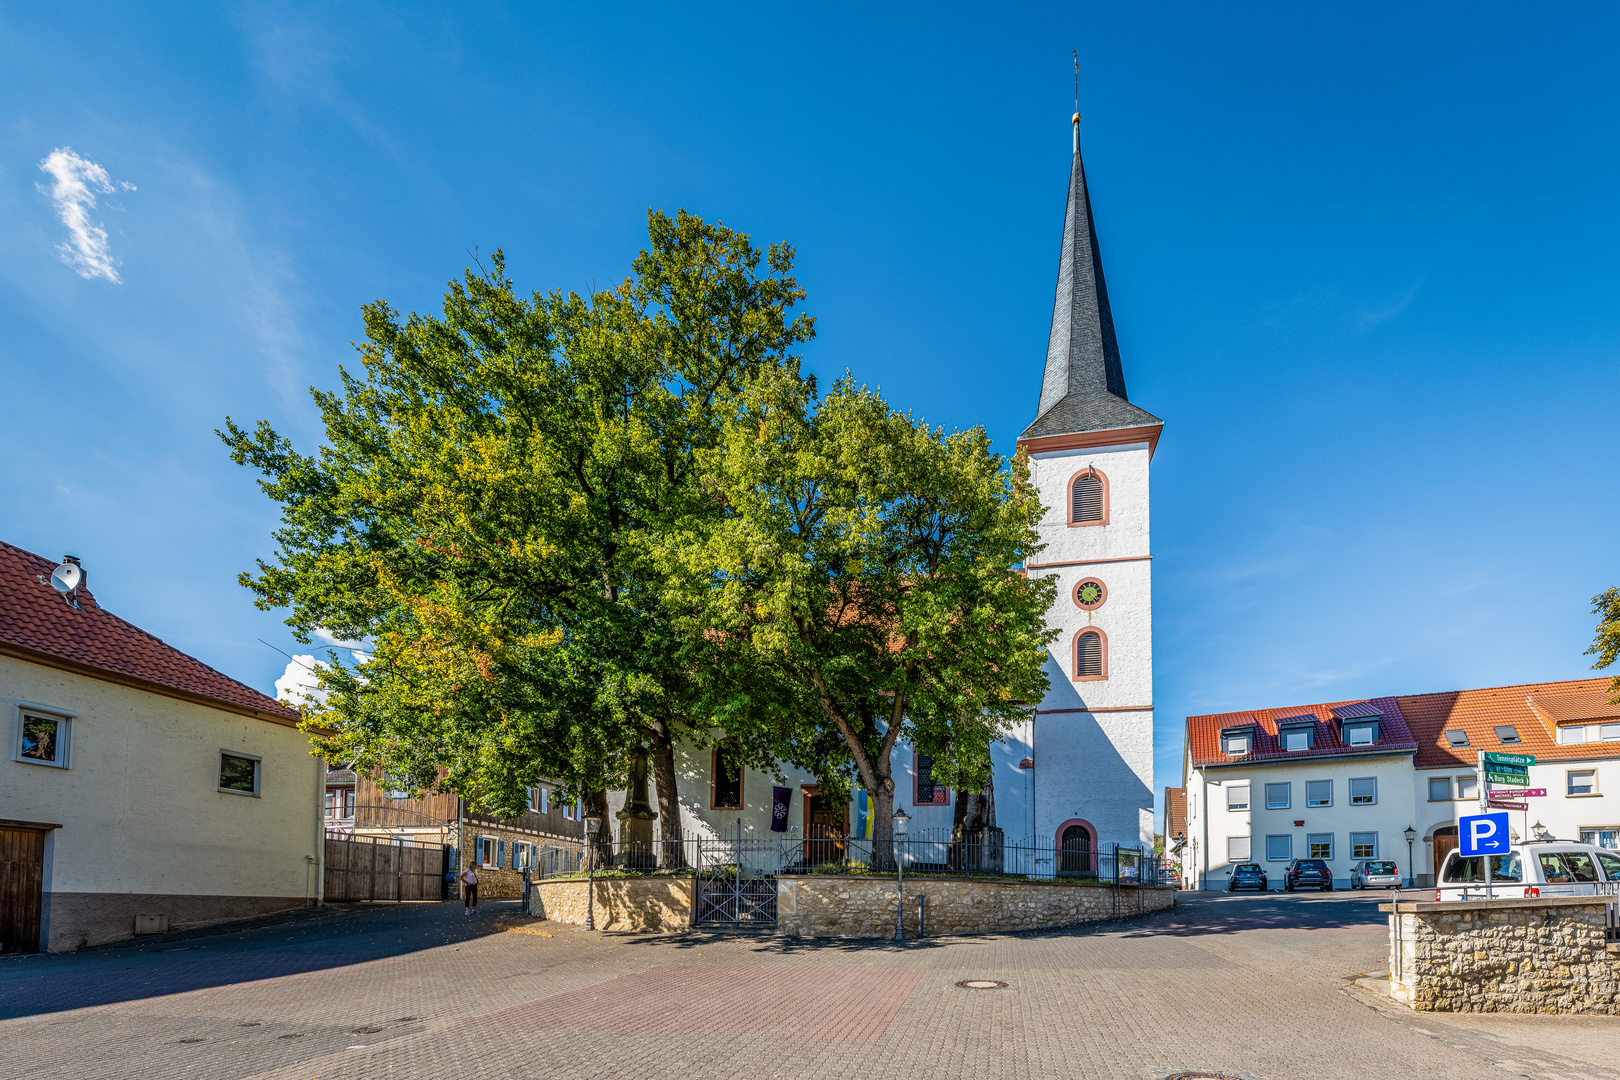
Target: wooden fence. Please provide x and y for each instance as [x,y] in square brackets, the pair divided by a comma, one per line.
[367,868]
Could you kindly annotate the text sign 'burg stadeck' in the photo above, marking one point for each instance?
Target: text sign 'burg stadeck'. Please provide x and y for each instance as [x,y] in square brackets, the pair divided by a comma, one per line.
[1483,834]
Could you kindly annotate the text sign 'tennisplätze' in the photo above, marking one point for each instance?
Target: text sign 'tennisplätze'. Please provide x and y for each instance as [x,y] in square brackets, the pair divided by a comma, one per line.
[1493,758]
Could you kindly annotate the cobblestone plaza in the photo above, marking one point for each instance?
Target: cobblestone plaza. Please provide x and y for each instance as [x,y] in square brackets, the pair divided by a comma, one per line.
[1254,987]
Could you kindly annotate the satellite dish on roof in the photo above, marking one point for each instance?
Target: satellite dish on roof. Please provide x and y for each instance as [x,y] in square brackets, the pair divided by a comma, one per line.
[66,578]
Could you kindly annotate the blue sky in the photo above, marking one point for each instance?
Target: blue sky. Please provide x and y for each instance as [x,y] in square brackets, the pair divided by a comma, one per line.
[1362,262]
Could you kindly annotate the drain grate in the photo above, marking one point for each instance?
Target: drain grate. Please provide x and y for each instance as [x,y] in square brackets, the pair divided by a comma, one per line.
[982,984]
[1202,1076]
[365,1031]
[249,1023]
[193,1040]
[294,1035]
[406,1019]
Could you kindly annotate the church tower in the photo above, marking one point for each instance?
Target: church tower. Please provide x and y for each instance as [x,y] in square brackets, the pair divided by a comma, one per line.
[1089,450]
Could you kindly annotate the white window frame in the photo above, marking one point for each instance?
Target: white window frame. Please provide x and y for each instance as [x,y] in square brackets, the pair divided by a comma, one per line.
[1574,735]
[1288,795]
[1312,805]
[258,773]
[1296,729]
[1449,790]
[64,734]
[1353,845]
[1368,726]
[1231,792]
[1473,786]
[1351,791]
[1569,782]
[1312,839]
[1247,846]
[1288,844]
[1608,732]
[1228,738]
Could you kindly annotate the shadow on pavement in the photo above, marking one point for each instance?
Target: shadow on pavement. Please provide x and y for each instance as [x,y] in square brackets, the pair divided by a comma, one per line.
[206,959]
[1198,914]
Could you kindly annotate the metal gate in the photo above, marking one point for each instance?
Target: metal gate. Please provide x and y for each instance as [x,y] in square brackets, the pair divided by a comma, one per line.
[379,868]
[735,882]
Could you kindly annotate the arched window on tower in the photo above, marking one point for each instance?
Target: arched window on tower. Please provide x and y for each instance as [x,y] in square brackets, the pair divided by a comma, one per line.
[1088,498]
[1090,654]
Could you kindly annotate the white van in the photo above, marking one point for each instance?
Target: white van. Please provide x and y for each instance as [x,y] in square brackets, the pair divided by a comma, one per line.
[1548,868]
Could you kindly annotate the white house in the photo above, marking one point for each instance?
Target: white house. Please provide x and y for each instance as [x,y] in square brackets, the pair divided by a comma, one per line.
[1317,781]
[1571,728]
[1331,782]
[143,789]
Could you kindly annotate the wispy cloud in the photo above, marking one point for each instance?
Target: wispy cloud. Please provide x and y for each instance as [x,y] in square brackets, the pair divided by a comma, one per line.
[73,192]
[1371,317]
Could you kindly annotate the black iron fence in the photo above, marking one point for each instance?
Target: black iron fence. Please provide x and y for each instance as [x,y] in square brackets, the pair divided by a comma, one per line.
[923,853]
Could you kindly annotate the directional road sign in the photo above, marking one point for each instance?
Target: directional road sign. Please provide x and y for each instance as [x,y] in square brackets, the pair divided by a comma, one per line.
[1508,804]
[1483,834]
[1519,793]
[1494,758]
[1507,779]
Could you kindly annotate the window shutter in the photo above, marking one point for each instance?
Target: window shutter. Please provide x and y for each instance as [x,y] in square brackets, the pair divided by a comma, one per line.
[1088,498]
[1088,655]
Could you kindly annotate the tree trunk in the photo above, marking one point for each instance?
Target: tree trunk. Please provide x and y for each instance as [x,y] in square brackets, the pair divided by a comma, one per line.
[673,856]
[882,819]
[602,845]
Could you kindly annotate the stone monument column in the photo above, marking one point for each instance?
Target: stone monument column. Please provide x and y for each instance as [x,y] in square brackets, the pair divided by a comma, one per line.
[635,820]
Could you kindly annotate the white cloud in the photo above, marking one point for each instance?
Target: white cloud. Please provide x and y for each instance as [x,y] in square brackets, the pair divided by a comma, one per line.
[76,183]
[298,683]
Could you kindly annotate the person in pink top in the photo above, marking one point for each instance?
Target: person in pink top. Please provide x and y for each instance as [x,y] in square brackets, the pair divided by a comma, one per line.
[469,890]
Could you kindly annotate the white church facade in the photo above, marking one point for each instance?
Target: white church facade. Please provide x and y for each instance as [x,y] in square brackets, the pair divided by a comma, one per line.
[1079,772]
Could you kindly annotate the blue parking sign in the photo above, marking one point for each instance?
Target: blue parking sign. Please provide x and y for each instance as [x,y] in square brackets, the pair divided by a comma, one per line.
[1483,834]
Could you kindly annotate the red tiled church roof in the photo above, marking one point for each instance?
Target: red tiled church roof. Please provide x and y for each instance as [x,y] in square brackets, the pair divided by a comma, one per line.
[1204,732]
[1535,710]
[37,624]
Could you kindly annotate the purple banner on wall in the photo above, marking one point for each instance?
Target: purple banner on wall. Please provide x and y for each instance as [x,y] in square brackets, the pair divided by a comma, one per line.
[781,797]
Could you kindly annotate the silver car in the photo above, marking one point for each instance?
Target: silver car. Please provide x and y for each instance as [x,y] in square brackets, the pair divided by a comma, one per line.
[1375,874]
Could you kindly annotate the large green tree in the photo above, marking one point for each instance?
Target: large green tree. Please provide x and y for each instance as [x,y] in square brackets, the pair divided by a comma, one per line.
[865,567]
[483,509]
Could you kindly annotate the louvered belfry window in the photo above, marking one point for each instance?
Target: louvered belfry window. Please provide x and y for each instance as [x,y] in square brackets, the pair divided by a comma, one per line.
[1088,498]
[1088,656]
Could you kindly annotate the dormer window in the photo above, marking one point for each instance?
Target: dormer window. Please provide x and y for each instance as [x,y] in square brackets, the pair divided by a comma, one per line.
[1235,742]
[1297,737]
[1456,737]
[1360,732]
[1507,734]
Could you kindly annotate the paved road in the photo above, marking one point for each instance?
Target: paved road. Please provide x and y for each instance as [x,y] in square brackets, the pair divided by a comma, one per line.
[1257,987]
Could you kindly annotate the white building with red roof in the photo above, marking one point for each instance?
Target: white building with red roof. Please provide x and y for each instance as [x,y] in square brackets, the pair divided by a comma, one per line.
[1346,781]
[141,786]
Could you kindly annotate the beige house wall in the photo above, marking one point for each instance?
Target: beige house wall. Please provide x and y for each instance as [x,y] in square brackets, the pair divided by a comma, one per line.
[144,826]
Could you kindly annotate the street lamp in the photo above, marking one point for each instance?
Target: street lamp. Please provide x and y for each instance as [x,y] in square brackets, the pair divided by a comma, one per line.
[1539,831]
[1411,838]
[592,823]
[901,819]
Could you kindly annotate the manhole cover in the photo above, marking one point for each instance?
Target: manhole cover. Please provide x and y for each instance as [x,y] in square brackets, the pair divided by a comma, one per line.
[1201,1076]
[982,984]
[365,1031]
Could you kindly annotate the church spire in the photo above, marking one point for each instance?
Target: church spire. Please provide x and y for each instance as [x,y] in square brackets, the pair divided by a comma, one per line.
[1084,386]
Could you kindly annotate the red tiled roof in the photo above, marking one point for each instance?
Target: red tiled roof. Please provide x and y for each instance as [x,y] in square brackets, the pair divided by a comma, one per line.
[1479,712]
[1175,813]
[1204,732]
[38,624]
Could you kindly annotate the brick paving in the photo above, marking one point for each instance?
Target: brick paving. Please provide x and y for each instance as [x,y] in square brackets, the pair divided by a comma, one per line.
[1257,987]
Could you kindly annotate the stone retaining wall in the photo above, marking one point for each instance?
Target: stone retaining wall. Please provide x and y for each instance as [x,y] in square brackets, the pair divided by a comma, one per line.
[628,903]
[1543,955]
[827,906]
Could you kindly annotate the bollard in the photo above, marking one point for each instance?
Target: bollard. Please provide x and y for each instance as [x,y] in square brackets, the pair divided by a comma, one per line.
[920,900]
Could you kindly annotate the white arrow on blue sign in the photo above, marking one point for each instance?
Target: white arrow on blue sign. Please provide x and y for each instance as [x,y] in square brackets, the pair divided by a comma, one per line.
[1483,834]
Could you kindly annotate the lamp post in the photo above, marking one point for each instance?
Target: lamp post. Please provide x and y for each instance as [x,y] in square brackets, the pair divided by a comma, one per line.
[900,819]
[1411,838]
[592,823]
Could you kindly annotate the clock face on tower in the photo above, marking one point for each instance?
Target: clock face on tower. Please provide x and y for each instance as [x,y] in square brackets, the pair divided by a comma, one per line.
[1090,594]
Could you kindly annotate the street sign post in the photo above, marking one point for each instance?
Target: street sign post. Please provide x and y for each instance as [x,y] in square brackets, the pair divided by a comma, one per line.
[1510,771]
[1493,757]
[1507,804]
[1519,793]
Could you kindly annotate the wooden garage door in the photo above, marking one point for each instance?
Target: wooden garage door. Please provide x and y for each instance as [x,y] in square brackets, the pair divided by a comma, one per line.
[22,875]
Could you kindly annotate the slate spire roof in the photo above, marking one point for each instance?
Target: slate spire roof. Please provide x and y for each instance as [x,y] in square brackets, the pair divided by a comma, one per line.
[1084,386]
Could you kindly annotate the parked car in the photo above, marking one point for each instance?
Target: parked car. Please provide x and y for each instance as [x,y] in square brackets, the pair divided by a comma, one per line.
[1548,868]
[1375,874]
[1308,874]
[1249,875]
